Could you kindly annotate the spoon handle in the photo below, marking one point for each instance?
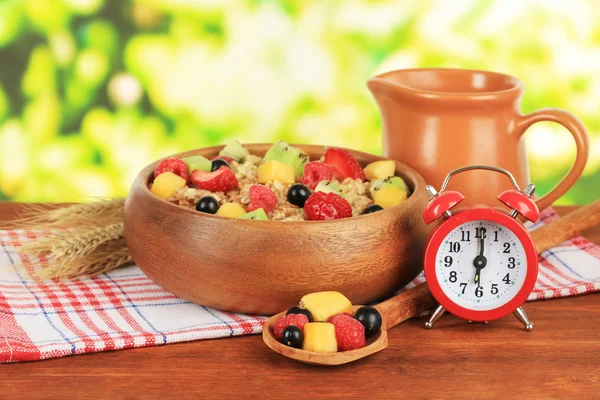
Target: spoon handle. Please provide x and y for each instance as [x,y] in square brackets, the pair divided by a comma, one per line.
[564,228]
[405,305]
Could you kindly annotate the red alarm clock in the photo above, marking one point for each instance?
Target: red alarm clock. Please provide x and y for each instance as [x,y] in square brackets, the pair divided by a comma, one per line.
[480,262]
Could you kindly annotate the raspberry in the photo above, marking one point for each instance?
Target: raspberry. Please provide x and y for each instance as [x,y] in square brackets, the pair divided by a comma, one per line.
[261,197]
[297,320]
[349,333]
[343,164]
[221,180]
[315,172]
[320,206]
[174,165]
[330,319]
[228,159]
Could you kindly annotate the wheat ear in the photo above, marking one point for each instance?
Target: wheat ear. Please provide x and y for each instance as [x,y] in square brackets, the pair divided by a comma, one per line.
[74,243]
[96,212]
[109,256]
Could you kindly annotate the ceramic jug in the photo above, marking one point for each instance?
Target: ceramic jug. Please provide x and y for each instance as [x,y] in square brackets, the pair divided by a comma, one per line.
[436,120]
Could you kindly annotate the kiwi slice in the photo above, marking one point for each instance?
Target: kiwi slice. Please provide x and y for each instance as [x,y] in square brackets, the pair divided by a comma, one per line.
[330,187]
[284,153]
[198,162]
[235,150]
[259,214]
[394,181]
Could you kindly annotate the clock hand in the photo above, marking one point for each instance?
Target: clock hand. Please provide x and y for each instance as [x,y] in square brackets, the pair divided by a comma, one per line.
[481,245]
[480,261]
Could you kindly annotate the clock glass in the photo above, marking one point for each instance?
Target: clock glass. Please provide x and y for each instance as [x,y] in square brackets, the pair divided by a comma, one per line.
[481,265]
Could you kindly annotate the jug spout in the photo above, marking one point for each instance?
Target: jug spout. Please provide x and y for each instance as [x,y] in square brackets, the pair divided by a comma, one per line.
[379,85]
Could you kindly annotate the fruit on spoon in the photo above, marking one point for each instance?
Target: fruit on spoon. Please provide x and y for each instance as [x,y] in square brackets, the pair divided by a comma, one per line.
[323,305]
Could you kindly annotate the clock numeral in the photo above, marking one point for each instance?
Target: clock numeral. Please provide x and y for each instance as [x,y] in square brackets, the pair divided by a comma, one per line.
[447,261]
[466,236]
[453,277]
[506,248]
[494,288]
[454,247]
[506,279]
[463,285]
[480,233]
[478,291]
[511,262]
[495,236]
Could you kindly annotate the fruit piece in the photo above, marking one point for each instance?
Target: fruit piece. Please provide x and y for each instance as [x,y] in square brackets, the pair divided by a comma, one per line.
[372,208]
[370,318]
[315,172]
[292,336]
[330,187]
[231,210]
[323,305]
[166,184]
[175,165]
[221,180]
[298,194]
[258,214]
[300,310]
[297,320]
[343,164]
[228,159]
[322,206]
[207,204]
[319,337]
[197,162]
[330,319]
[218,163]
[349,333]
[394,181]
[389,192]
[235,150]
[284,153]
[261,197]
[389,196]
[276,171]
[380,169]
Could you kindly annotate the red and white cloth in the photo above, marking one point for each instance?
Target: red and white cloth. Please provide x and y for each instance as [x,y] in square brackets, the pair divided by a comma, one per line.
[123,308]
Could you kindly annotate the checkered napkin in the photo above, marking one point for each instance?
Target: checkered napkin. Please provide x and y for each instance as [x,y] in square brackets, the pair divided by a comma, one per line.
[123,308]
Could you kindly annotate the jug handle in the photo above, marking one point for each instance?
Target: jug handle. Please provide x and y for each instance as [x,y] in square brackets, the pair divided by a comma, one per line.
[582,143]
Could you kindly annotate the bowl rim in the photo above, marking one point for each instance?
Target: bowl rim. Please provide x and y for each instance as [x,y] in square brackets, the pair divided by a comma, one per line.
[143,178]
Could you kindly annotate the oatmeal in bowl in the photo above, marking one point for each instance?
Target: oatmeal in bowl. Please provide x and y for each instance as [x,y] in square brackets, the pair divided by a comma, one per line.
[284,185]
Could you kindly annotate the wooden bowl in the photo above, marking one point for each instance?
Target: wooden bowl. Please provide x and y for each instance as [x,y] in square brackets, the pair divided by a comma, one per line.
[264,267]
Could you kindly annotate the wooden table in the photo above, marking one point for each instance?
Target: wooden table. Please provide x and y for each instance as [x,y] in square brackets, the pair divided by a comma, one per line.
[559,359]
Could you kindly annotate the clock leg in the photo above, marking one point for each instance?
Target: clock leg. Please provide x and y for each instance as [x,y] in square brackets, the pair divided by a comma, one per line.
[437,314]
[521,316]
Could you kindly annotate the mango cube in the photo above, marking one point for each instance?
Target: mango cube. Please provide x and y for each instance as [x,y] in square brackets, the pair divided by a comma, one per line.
[166,184]
[276,171]
[389,196]
[380,169]
[323,305]
[231,210]
[319,337]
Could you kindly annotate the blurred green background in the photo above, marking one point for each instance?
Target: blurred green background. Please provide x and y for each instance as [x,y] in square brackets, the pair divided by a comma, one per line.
[91,91]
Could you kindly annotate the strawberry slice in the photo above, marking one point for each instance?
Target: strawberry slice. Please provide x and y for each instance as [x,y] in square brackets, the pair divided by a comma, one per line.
[343,164]
[221,180]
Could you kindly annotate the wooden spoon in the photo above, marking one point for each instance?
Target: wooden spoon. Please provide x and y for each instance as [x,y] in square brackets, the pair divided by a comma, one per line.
[413,302]
[393,311]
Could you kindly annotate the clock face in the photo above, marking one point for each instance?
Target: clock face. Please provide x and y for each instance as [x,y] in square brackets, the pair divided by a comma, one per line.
[481,265]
